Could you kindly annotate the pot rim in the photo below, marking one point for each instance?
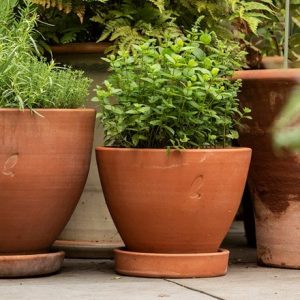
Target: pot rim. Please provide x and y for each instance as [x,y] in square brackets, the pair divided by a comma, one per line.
[268,74]
[80,48]
[218,150]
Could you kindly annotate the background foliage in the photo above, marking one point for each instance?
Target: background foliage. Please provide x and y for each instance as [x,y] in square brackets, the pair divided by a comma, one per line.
[125,22]
[286,130]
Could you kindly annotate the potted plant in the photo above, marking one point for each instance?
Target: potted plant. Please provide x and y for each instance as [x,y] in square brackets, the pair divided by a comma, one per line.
[272,177]
[46,141]
[77,24]
[170,178]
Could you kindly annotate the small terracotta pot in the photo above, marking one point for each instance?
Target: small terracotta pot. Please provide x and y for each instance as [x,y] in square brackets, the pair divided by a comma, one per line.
[182,202]
[273,177]
[44,162]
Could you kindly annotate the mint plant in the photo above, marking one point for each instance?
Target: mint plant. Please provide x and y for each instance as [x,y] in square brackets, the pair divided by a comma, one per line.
[176,93]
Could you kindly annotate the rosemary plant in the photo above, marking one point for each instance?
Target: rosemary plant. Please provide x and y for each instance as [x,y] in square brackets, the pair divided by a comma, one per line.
[27,81]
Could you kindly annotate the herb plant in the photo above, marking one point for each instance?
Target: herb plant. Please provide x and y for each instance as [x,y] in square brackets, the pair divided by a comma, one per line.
[173,93]
[25,80]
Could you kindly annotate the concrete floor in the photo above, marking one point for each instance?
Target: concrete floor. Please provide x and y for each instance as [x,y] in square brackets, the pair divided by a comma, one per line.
[95,279]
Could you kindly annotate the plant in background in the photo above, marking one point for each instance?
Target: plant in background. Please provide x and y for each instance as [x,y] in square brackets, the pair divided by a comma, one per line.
[286,130]
[129,22]
[269,39]
[174,93]
[25,80]
[57,27]
[126,22]
[68,6]
[294,40]
[132,20]
[220,16]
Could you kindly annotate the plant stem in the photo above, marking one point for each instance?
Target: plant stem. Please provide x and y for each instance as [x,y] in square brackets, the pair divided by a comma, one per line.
[286,33]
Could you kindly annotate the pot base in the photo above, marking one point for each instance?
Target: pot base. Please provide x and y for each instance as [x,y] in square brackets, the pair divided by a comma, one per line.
[30,265]
[171,265]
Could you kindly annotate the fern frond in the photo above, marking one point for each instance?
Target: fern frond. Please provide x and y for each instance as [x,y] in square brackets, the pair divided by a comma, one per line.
[160,4]
[67,6]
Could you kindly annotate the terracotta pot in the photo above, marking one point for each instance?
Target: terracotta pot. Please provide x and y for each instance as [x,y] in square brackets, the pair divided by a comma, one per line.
[273,177]
[44,165]
[272,62]
[90,233]
[183,202]
[87,48]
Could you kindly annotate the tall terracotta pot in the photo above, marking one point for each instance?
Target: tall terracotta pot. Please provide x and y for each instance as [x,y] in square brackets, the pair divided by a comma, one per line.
[90,233]
[44,162]
[273,177]
[172,210]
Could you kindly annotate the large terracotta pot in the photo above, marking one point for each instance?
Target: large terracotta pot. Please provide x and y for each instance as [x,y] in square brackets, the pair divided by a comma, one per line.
[273,177]
[90,233]
[44,165]
[178,203]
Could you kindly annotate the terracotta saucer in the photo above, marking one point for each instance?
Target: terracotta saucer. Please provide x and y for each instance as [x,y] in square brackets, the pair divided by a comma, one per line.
[85,249]
[171,265]
[13,266]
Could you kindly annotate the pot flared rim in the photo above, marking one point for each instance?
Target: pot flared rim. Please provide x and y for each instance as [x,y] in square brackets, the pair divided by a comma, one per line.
[220,150]
[271,74]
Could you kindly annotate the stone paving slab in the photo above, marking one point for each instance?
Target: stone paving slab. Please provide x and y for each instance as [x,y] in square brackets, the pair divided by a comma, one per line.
[249,282]
[89,280]
[95,280]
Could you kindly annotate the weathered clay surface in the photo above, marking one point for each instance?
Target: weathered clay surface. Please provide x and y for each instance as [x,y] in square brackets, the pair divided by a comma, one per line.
[44,163]
[273,177]
[12,266]
[183,202]
[278,239]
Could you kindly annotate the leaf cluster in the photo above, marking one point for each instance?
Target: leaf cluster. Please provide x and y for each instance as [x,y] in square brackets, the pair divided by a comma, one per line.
[126,22]
[130,22]
[77,7]
[269,39]
[286,129]
[27,81]
[57,27]
[172,93]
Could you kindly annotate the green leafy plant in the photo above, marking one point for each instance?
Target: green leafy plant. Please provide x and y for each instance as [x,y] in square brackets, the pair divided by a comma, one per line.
[269,40]
[226,16]
[286,130]
[175,92]
[25,80]
[68,6]
[57,27]
[126,22]
[131,22]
